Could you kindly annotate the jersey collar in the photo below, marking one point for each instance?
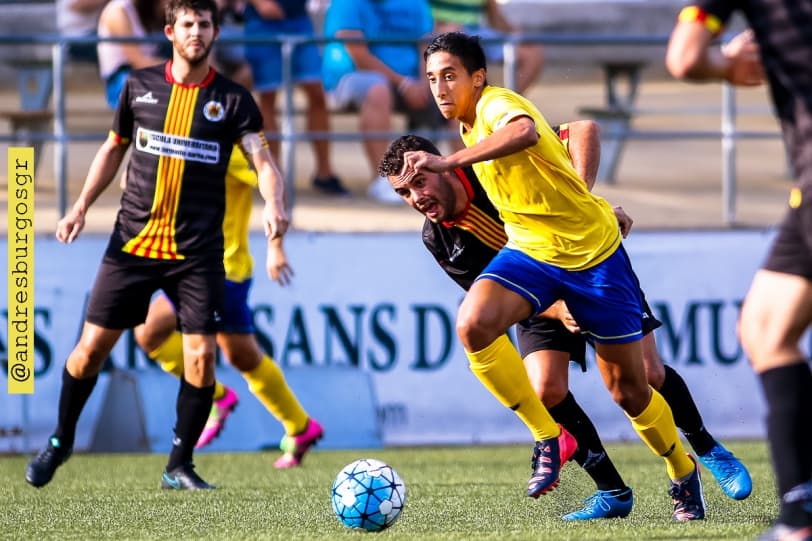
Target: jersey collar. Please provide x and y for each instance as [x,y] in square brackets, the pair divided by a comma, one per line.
[469,191]
[171,80]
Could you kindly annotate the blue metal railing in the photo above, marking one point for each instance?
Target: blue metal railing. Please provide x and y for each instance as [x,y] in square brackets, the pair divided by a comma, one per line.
[288,136]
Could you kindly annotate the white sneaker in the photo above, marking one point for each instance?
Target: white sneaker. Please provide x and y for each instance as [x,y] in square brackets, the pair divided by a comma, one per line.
[380,190]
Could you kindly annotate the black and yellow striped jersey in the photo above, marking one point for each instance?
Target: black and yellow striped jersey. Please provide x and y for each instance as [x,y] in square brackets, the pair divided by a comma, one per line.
[182,137]
[784,33]
[464,246]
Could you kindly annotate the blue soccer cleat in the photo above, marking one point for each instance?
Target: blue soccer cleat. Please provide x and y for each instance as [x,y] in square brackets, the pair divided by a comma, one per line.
[605,504]
[729,472]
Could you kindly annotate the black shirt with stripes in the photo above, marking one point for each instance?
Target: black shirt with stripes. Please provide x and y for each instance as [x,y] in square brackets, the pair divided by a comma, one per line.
[783,29]
[182,137]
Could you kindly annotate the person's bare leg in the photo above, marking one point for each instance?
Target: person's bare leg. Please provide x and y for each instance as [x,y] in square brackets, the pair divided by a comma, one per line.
[548,371]
[78,380]
[376,116]
[529,64]
[729,472]
[484,316]
[318,120]
[624,375]
[776,312]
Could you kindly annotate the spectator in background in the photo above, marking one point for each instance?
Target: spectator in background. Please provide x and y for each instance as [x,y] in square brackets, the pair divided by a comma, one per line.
[277,18]
[378,78]
[229,58]
[79,18]
[128,18]
[485,19]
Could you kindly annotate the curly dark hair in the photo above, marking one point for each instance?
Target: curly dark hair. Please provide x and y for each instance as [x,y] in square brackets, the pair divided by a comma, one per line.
[392,161]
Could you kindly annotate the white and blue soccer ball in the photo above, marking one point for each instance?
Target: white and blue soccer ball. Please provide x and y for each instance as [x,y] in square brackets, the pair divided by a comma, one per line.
[368,494]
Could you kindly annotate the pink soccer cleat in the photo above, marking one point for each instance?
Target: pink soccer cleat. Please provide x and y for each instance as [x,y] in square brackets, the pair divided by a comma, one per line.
[295,447]
[220,410]
[549,457]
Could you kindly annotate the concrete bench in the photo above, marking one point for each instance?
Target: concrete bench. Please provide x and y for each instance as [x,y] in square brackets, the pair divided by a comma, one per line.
[31,65]
[621,84]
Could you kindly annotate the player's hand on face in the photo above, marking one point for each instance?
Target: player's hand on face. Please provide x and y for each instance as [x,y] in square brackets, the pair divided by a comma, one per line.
[276,263]
[745,67]
[275,220]
[624,221]
[69,227]
[414,161]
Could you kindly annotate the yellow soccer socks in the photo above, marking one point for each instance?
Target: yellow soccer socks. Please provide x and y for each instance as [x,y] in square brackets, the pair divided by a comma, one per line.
[268,384]
[655,425]
[501,370]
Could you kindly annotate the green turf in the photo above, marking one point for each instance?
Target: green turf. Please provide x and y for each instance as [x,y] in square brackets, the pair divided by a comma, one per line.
[458,493]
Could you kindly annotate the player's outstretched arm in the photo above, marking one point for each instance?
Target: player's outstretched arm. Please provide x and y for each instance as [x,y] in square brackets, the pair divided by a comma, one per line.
[518,134]
[100,175]
[275,219]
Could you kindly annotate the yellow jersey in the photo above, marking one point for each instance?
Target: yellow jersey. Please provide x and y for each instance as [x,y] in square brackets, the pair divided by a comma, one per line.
[548,211]
[241,181]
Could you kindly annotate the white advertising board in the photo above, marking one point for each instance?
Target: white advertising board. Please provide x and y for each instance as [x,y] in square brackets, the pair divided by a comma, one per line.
[378,303]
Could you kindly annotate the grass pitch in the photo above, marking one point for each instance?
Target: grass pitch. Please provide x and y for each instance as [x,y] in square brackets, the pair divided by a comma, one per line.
[453,493]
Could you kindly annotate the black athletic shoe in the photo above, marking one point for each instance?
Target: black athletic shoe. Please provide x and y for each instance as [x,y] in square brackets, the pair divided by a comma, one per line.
[42,467]
[184,478]
[330,186]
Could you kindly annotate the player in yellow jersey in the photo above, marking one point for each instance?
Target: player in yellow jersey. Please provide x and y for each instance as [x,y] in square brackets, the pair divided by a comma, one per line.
[563,243]
[159,338]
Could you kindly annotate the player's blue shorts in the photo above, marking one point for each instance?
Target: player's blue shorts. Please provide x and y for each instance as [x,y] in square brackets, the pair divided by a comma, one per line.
[605,300]
[237,317]
[266,59]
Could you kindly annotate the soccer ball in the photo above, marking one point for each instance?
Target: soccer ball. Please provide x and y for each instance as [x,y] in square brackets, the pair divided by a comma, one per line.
[368,494]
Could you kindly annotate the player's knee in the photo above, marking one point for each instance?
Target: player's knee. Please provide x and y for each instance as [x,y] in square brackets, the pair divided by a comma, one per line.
[631,398]
[199,366]
[473,332]
[379,99]
[551,393]
[655,372]
[86,360]
[145,339]
[241,352]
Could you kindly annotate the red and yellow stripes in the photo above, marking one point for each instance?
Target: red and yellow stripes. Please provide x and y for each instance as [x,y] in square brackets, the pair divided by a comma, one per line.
[486,229]
[690,14]
[157,239]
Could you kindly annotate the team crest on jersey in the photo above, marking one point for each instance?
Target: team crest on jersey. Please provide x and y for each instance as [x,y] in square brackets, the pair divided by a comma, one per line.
[142,138]
[214,111]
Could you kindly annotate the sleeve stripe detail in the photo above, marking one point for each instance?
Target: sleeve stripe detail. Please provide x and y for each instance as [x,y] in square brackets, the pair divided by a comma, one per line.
[690,14]
[116,138]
